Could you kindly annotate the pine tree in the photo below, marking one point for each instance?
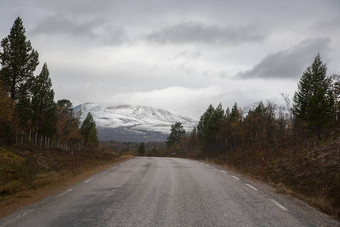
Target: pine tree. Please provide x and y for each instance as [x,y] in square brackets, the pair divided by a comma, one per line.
[88,125]
[313,100]
[64,108]
[92,139]
[233,126]
[43,105]
[203,130]
[141,149]
[18,61]
[210,129]
[176,133]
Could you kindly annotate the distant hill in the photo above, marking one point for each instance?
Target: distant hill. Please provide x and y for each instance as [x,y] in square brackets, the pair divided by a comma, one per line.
[127,123]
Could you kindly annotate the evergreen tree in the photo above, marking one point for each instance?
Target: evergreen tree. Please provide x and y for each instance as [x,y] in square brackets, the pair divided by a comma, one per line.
[210,129]
[88,125]
[203,131]
[141,149]
[176,133]
[43,105]
[92,139]
[18,61]
[216,140]
[233,126]
[313,102]
[64,109]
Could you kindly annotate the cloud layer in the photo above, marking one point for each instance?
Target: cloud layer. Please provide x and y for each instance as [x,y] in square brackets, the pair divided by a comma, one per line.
[177,55]
[195,32]
[89,30]
[288,64]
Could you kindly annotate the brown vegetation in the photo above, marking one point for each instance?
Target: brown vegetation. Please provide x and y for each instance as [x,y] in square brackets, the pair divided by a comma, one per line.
[309,172]
[28,174]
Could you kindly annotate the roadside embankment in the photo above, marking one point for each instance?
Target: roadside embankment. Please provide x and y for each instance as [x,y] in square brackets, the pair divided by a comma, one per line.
[309,172]
[29,174]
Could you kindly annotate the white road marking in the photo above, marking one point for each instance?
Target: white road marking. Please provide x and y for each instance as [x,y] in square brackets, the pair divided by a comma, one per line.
[252,187]
[88,180]
[279,205]
[63,193]
[223,171]
[236,178]
[23,214]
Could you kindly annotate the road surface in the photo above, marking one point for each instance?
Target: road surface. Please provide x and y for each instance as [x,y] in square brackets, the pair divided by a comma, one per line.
[168,192]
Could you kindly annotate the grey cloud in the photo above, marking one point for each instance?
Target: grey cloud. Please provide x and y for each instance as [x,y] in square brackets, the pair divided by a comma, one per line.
[288,64]
[188,54]
[331,25]
[96,29]
[195,32]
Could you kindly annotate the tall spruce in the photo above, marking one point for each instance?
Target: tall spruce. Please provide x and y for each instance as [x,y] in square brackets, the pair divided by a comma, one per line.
[141,149]
[203,129]
[88,130]
[233,126]
[313,102]
[18,62]
[210,128]
[92,139]
[44,108]
[176,133]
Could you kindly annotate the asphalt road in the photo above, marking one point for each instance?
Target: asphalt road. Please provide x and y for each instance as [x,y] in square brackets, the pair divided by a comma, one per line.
[168,192]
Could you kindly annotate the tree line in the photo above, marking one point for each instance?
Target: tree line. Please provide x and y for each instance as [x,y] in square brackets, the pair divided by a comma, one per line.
[28,111]
[314,112]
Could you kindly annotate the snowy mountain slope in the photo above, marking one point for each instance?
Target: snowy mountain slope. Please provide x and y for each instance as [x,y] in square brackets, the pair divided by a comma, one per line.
[133,120]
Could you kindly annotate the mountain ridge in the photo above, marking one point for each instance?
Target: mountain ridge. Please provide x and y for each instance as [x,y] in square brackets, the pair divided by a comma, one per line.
[129,123]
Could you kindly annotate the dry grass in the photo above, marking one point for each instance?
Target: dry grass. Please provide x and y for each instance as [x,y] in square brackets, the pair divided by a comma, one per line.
[29,174]
[309,172]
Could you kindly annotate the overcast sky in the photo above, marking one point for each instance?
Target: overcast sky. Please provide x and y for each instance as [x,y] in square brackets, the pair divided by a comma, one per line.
[177,55]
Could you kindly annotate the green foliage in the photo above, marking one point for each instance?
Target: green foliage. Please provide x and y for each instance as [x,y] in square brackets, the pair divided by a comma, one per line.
[210,129]
[92,139]
[27,102]
[141,149]
[88,131]
[313,102]
[233,126]
[203,127]
[65,106]
[44,108]
[18,61]
[176,133]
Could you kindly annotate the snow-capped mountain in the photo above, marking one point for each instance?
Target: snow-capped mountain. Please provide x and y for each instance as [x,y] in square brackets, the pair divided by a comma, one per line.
[133,123]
